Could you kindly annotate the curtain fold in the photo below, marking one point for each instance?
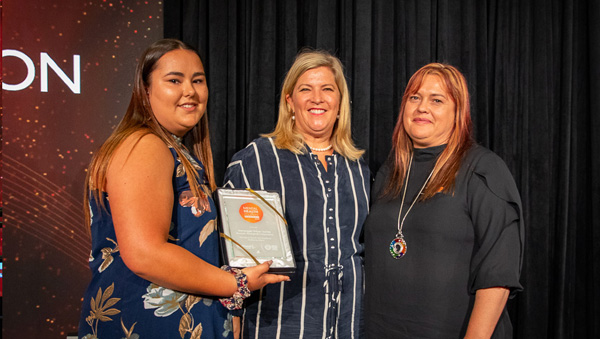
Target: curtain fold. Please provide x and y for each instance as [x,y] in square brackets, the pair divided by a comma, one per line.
[534,75]
[592,280]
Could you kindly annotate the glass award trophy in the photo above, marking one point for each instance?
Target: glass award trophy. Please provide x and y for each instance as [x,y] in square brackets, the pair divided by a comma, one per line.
[252,228]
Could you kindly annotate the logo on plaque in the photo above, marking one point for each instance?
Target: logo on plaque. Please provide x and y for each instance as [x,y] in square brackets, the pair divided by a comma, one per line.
[251,212]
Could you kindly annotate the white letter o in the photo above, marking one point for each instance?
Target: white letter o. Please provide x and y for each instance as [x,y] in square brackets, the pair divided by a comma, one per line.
[30,70]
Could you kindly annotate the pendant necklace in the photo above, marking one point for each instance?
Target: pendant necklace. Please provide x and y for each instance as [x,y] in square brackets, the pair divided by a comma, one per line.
[398,245]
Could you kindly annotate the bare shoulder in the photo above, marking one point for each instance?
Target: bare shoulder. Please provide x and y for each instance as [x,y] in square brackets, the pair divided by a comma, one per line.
[141,152]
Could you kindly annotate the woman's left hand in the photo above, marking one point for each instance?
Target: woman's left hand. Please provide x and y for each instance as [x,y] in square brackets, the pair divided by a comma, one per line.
[258,276]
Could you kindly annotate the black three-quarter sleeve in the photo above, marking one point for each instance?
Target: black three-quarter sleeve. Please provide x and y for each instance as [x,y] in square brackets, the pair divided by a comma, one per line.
[496,213]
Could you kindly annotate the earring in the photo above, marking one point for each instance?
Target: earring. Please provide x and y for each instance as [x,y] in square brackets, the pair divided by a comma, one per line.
[293,117]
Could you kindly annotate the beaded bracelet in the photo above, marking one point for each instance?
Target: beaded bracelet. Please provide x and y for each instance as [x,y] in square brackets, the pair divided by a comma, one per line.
[236,301]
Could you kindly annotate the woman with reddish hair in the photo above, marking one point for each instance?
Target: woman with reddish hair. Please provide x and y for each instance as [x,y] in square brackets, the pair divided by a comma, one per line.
[444,237]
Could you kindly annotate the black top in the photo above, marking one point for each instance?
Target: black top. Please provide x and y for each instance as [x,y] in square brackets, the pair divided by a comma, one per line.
[457,243]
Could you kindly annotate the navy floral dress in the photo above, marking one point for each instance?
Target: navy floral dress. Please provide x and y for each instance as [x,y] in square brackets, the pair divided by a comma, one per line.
[120,304]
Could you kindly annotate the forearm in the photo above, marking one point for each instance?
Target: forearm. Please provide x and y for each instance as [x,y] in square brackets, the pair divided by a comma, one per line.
[489,303]
[173,267]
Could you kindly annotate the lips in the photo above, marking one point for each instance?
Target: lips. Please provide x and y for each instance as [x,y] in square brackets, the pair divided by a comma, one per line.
[421,120]
[188,106]
[316,111]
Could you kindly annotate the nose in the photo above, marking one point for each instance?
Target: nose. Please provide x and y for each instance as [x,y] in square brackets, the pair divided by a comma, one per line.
[188,89]
[422,107]
[316,97]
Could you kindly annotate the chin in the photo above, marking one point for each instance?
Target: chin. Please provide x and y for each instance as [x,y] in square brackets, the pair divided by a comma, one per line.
[420,138]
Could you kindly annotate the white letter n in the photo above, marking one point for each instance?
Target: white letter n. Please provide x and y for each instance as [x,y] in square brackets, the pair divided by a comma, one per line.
[46,61]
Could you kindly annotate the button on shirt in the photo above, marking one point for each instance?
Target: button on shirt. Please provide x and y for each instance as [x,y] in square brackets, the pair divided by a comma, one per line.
[325,210]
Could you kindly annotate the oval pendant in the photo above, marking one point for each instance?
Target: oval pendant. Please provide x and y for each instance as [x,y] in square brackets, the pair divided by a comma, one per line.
[398,248]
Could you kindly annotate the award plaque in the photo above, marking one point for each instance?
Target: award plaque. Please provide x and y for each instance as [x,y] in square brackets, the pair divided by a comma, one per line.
[257,226]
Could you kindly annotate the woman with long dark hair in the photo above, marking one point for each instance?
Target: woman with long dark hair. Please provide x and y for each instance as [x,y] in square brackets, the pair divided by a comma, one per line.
[152,219]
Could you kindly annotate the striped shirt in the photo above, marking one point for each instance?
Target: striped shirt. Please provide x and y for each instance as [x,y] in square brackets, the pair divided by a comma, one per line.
[325,210]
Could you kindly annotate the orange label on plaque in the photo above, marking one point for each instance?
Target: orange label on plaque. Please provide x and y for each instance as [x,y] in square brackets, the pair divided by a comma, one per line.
[251,213]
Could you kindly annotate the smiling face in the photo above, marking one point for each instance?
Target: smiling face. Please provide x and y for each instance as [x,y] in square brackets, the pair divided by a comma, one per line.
[429,114]
[177,91]
[315,101]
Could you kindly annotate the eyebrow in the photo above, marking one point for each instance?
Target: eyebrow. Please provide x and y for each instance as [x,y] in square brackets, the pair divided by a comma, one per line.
[438,95]
[307,84]
[432,95]
[179,74]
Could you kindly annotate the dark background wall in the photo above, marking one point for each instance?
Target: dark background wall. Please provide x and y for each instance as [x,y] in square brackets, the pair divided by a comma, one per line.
[534,77]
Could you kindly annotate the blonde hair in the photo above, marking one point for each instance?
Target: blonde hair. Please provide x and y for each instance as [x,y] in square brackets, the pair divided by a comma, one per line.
[284,134]
[140,118]
[461,138]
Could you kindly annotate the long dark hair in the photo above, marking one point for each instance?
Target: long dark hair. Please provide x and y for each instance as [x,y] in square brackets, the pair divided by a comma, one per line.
[140,117]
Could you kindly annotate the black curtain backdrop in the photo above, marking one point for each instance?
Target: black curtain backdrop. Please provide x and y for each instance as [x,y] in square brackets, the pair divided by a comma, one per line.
[533,69]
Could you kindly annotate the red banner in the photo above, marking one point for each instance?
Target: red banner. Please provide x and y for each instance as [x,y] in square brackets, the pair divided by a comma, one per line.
[67,72]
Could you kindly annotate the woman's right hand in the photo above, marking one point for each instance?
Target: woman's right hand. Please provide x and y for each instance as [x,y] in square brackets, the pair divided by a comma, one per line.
[258,276]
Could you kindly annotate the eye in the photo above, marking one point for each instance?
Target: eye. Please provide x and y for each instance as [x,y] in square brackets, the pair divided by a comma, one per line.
[199,81]
[174,81]
[328,89]
[413,98]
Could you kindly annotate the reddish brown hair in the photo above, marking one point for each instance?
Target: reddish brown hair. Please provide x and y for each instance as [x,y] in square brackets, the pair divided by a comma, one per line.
[461,137]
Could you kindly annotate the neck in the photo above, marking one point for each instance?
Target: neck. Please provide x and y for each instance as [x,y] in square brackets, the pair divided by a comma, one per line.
[318,144]
[178,139]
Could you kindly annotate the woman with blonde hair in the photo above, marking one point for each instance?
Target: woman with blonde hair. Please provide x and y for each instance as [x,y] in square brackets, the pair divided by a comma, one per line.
[444,239]
[311,160]
[148,204]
